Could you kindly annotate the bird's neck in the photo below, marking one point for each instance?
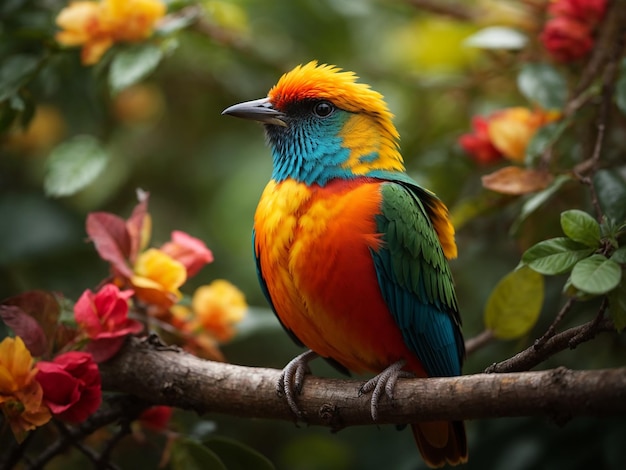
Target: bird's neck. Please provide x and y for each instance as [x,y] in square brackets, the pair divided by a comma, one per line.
[363,147]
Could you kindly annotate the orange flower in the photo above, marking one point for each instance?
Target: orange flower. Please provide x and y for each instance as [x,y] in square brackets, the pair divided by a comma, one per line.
[157,278]
[511,129]
[96,26]
[218,307]
[21,396]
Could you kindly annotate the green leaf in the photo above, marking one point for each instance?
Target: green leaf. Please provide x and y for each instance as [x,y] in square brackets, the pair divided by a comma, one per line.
[73,165]
[7,116]
[542,84]
[132,65]
[581,227]
[545,137]
[175,24]
[620,88]
[497,37]
[15,72]
[596,275]
[514,305]
[237,456]
[188,454]
[619,255]
[538,199]
[571,291]
[617,305]
[555,256]
[611,188]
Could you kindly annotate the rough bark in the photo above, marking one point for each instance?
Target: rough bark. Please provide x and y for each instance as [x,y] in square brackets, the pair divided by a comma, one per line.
[164,375]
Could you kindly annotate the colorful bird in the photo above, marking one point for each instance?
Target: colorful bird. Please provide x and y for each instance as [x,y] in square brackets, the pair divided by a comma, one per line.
[351,253]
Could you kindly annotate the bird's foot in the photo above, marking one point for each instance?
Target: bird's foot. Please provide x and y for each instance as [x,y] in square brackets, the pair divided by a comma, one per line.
[385,381]
[292,379]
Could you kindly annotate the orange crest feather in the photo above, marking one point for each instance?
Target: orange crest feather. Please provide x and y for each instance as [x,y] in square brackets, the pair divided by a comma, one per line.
[313,81]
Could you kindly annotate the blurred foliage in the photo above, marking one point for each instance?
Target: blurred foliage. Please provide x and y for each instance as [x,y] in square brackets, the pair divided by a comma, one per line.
[149,115]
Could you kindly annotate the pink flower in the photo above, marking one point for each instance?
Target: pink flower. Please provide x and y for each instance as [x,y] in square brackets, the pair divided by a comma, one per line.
[585,11]
[71,385]
[189,251]
[478,144]
[566,39]
[104,318]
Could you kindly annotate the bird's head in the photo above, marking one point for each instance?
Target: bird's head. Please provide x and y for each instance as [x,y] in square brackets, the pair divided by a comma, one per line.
[321,124]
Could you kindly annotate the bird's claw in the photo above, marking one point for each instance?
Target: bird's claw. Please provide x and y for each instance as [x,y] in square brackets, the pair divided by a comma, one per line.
[385,381]
[291,380]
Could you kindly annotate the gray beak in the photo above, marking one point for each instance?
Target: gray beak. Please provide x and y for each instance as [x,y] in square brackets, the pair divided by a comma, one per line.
[257,110]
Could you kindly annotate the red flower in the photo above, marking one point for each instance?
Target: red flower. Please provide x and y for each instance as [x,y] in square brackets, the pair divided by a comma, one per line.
[71,385]
[189,251]
[566,39]
[478,144]
[104,318]
[156,417]
[585,11]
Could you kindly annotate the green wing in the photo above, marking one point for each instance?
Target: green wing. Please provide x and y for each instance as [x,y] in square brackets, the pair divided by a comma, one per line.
[415,278]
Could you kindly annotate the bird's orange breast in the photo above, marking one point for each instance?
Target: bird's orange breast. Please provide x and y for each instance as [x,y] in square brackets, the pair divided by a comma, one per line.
[314,248]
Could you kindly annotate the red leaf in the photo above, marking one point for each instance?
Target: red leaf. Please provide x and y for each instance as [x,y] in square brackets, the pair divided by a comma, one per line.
[40,306]
[26,327]
[63,336]
[109,235]
[135,224]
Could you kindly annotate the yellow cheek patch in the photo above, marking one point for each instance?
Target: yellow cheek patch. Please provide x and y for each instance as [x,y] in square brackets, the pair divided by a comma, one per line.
[370,149]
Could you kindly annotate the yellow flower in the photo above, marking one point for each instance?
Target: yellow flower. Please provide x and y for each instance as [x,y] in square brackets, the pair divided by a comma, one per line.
[157,278]
[511,129]
[96,26]
[218,307]
[21,396]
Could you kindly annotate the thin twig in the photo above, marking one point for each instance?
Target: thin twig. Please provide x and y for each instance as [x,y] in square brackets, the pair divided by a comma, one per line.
[88,452]
[603,62]
[119,407]
[607,48]
[478,341]
[123,431]
[15,452]
[531,357]
[591,328]
[552,328]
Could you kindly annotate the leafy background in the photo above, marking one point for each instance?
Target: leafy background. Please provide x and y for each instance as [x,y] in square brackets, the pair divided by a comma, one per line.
[205,173]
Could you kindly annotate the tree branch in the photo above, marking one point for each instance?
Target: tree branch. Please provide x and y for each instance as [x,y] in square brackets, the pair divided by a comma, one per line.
[171,377]
[539,352]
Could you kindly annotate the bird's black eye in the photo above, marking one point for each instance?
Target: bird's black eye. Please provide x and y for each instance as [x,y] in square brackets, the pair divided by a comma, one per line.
[323,109]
